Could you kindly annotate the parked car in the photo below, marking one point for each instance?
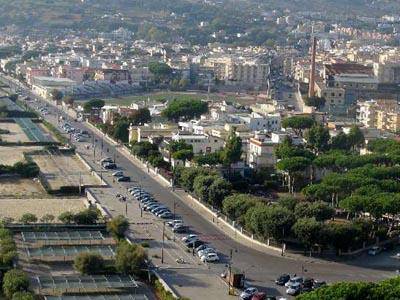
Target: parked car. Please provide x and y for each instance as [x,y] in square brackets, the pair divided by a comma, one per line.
[106,160]
[317,284]
[174,222]
[307,285]
[109,166]
[194,243]
[202,247]
[205,251]
[293,280]
[180,228]
[259,296]
[190,236]
[166,215]
[294,289]
[282,279]
[123,179]
[375,250]
[118,174]
[248,293]
[162,211]
[210,257]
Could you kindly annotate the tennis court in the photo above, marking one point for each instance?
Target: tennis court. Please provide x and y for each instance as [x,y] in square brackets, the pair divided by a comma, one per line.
[33,132]
[99,297]
[68,251]
[82,284]
[61,235]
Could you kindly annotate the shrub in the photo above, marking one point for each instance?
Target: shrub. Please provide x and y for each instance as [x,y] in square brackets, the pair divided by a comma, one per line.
[15,281]
[130,259]
[117,226]
[89,263]
[28,218]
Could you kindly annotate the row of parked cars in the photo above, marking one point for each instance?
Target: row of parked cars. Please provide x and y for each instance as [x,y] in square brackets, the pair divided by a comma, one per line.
[205,252]
[297,284]
[148,203]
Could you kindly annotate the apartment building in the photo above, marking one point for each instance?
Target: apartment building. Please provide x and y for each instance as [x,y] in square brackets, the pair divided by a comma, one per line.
[379,114]
[239,70]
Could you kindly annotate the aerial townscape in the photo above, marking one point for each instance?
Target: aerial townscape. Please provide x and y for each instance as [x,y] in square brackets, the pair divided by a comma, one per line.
[199,149]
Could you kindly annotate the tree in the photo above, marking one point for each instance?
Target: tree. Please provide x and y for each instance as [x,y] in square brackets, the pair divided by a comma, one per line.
[210,159]
[237,205]
[89,263]
[66,217]
[142,149]
[121,131]
[343,236]
[188,176]
[15,281]
[93,104]
[184,108]
[318,138]
[88,216]
[356,137]
[118,226]
[340,142]
[278,223]
[184,155]
[217,191]
[140,117]
[232,151]
[22,296]
[201,185]
[307,231]
[56,95]
[291,166]
[161,71]
[288,202]
[318,210]
[130,258]
[28,218]
[298,124]
[348,291]
[47,218]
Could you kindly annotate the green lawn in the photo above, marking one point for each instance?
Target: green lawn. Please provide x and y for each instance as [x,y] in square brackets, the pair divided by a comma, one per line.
[164,96]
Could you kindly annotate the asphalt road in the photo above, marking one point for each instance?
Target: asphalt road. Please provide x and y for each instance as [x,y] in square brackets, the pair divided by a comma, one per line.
[261,268]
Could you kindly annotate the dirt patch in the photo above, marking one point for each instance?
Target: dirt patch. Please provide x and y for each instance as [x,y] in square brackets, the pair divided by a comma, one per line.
[21,188]
[64,170]
[16,133]
[11,155]
[15,208]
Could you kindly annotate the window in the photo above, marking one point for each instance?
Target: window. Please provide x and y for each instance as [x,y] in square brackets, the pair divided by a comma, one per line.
[340,94]
[333,94]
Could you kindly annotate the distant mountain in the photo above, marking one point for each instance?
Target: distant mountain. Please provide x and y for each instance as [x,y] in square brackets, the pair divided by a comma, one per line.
[111,14]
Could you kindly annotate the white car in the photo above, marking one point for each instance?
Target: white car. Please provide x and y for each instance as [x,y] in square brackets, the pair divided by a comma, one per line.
[294,280]
[190,236]
[118,174]
[294,289]
[175,222]
[205,251]
[210,257]
[248,293]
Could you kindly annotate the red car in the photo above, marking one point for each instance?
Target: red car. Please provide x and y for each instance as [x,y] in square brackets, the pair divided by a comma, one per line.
[259,296]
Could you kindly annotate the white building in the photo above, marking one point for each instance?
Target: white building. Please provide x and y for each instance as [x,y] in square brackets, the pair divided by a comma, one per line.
[201,143]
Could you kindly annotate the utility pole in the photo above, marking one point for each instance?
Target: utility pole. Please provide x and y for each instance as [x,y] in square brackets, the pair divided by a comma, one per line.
[162,246]
[229,276]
